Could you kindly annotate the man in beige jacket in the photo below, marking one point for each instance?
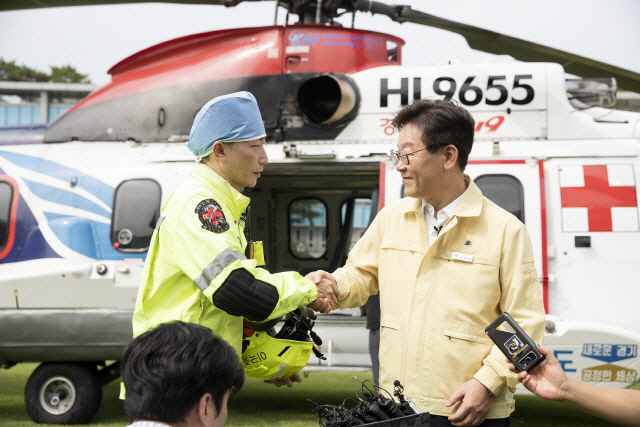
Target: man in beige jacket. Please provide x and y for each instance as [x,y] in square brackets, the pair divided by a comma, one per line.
[447,261]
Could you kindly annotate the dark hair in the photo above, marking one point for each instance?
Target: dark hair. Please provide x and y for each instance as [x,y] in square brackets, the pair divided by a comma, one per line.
[168,369]
[442,123]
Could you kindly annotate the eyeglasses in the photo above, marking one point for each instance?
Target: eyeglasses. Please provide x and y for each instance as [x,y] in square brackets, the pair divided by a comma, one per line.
[399,155]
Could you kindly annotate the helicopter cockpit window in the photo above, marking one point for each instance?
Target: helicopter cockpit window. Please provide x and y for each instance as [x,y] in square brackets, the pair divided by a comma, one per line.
[307,228]
[6,197]
[505,191]
[136,209]
[392,51]
[360,219]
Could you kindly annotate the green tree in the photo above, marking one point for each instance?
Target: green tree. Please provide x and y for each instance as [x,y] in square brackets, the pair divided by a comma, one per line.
[68,74]
[9,71]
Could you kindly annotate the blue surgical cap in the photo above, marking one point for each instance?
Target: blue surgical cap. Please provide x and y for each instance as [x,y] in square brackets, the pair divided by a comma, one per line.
[227,118]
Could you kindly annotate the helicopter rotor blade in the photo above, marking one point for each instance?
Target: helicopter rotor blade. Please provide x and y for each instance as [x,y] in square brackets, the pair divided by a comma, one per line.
[33,4]
[477,38]
[500,44]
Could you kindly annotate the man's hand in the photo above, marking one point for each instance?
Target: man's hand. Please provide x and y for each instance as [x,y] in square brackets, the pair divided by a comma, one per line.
[288,381]
[476,403]
[321,305]
[328,293]
[546,380]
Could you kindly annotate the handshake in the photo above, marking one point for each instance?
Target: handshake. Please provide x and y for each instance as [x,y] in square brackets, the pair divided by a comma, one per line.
[328,292]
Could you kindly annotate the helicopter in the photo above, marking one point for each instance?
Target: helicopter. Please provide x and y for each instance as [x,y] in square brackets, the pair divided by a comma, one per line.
[80,198]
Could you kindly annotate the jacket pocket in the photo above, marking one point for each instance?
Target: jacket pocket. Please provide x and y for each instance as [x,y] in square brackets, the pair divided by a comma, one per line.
[399,262]
[460,351]
[472,286]
[465,336]
[403,245]
[391,321]
[391,347]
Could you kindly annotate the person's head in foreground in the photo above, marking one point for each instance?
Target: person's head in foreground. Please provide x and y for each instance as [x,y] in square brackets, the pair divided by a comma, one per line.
[180,374]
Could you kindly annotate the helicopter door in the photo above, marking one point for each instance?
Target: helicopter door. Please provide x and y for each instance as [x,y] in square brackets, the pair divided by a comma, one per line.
[595,230]
[311,222]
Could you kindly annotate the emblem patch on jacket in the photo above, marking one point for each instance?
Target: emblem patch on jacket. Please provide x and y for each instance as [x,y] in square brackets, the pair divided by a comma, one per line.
[211,216]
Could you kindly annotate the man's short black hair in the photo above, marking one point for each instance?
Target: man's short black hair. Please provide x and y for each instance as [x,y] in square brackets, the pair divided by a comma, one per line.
[442,123]
[168,369]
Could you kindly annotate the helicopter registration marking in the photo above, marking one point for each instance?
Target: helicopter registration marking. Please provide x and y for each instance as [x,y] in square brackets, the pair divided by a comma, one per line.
[468,93]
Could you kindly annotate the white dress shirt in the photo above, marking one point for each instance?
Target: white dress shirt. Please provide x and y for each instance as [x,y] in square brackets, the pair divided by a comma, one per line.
[434,225]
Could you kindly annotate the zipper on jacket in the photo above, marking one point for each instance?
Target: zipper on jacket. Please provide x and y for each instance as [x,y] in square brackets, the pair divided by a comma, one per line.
[248,252]
[246,218]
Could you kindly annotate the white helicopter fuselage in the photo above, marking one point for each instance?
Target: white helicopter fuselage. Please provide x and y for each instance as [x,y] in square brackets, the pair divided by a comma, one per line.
[568,174]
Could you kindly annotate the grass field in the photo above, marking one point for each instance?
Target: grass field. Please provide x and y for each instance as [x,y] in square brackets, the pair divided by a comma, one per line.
[261,404]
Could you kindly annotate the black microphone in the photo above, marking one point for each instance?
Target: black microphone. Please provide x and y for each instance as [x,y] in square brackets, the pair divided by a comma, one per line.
[437,230]
[405,406]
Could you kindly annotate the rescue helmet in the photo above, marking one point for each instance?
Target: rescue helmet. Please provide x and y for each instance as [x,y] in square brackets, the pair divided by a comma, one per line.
[269,355]
[269,358]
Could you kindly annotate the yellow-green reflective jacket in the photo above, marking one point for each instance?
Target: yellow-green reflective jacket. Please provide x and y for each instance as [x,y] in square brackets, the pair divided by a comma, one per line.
[196,270]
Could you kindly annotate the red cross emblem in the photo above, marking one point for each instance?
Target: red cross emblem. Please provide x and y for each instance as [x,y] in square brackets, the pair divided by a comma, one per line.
[598,196]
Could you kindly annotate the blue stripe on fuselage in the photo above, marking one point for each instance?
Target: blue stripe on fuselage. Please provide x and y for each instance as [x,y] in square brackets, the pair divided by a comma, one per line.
[99,189]
[85,236]
[66,198]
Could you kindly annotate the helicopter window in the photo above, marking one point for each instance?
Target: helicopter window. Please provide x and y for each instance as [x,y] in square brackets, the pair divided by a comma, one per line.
[6,197]
[307,228]
[360,219]
[392,51]
[504,190]
[136,209]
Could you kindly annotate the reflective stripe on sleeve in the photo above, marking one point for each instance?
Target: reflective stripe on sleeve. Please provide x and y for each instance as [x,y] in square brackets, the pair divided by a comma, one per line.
[211,271]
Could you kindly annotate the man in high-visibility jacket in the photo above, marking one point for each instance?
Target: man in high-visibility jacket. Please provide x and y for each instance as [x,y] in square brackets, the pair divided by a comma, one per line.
[200,267]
